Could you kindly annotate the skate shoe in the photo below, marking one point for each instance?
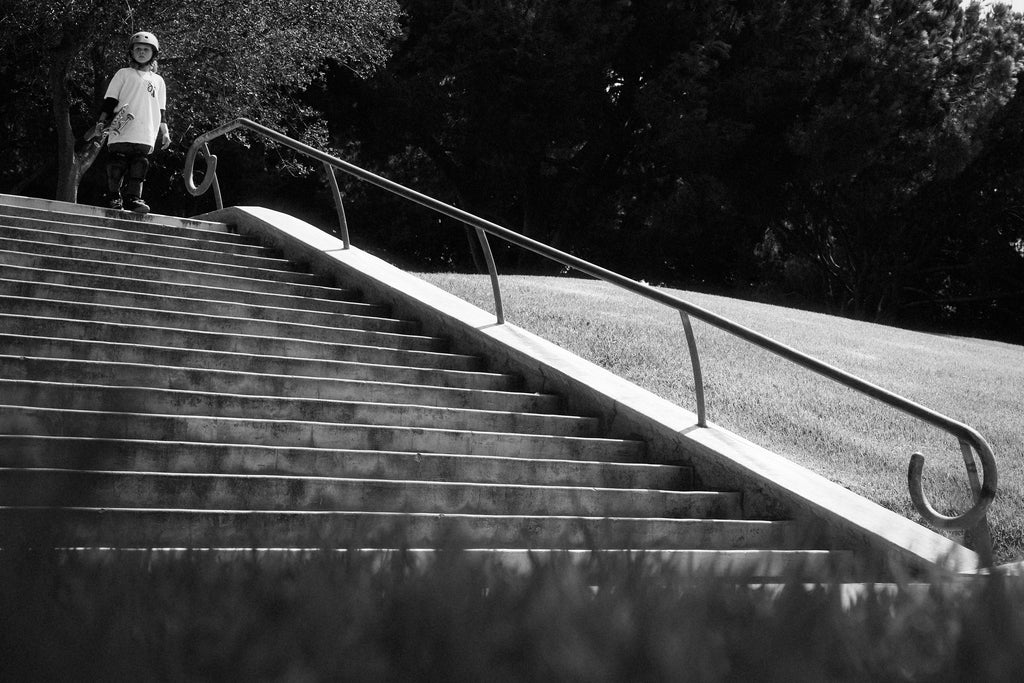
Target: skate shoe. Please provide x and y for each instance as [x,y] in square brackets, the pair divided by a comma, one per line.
[137,205]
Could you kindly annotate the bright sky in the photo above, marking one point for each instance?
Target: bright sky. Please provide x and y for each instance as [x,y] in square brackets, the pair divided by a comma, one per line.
[1018,5]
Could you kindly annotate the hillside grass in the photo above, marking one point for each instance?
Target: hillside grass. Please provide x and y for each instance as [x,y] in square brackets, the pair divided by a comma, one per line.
[854,441]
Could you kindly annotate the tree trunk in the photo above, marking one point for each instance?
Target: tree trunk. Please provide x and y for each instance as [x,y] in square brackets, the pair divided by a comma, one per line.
[71,163]
[67,186]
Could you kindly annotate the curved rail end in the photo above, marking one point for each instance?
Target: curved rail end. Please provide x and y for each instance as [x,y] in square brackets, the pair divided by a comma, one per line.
[211,169]
[965,520]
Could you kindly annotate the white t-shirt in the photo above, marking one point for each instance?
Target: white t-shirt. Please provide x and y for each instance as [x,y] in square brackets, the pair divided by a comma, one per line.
[145,94]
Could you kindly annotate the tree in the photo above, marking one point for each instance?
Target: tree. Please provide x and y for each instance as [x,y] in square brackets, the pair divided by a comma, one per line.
[975,281]
[221,60]
[53,36]
[897,97]
[528,109]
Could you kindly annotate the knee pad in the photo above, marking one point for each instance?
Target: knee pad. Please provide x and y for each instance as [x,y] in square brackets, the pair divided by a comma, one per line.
[138,167]
[117,164]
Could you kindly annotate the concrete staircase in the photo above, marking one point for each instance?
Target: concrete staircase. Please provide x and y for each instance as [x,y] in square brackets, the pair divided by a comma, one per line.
[169,383]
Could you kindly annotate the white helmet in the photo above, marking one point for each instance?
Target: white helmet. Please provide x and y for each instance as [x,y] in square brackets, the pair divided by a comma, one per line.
[146,38]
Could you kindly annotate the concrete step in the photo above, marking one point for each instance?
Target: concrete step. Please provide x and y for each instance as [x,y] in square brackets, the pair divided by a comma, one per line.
[382,332]
[206,458]
[217,240]
[104,489]
[121,422]
[171,273]
[281,271]
[116,374]
[13,206]
[126,242]
[91,397]
[363,316]
[161,357]
[152,528]
[254,345]
[350,304]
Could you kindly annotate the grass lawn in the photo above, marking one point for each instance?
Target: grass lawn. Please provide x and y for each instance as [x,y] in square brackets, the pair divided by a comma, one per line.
[854,441]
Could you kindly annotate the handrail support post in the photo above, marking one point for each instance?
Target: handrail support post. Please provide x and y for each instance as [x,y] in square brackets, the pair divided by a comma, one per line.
[211,168]
[978,537]
[492,269]
[698,377]
[339,205]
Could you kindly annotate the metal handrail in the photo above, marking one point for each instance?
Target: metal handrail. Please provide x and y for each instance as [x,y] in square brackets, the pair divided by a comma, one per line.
[983,492]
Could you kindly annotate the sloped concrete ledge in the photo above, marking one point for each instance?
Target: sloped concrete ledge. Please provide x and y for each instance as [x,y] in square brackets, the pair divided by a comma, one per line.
[772,486]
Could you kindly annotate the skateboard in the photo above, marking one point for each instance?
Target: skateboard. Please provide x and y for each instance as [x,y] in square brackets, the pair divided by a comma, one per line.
[120,120]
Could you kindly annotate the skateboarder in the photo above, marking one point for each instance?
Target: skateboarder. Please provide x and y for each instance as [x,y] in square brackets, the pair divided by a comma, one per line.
[139,89]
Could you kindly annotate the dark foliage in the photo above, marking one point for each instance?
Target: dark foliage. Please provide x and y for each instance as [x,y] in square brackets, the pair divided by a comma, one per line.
[854,157]
[815,154]
[331,616]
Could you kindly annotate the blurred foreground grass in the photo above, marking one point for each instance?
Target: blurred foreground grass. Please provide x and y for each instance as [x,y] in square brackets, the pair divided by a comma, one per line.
[854,441]
[347,617]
